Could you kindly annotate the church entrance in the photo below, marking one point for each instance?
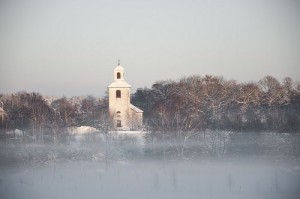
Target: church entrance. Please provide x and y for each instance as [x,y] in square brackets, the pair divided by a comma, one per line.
[119,123]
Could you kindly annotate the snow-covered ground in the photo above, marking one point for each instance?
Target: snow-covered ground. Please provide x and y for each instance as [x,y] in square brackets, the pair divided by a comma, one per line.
[81,130]
[204,179]
[119,165]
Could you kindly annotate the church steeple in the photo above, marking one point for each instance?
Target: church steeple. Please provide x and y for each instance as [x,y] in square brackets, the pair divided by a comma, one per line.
[119,72]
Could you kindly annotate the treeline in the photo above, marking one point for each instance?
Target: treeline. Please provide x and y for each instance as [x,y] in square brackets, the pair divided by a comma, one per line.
[40,115]
[198,103]
[193,103]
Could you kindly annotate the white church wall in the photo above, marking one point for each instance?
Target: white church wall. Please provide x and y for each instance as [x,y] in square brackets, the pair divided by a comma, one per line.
[120,109]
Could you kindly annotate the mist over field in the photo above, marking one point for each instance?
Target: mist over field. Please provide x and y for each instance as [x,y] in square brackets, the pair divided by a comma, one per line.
[214,85]
[203,137]
[206,164]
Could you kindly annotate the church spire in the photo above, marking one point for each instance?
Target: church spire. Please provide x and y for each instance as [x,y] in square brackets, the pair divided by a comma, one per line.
[119,72]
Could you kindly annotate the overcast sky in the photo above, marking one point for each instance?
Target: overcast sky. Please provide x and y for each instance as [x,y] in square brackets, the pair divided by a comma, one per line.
[71,47]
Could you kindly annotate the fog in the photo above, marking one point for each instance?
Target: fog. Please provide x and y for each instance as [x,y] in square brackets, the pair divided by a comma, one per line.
[152,165]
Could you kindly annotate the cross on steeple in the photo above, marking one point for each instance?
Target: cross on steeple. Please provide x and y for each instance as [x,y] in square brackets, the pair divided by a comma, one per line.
[118,62]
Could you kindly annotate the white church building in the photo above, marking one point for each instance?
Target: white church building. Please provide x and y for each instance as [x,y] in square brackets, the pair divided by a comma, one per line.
[123,114]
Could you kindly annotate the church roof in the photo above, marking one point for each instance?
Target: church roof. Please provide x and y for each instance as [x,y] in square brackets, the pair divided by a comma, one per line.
[136,109]
[119,67]
[119,84]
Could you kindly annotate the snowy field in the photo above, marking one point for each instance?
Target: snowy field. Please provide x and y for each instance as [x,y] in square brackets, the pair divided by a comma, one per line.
[129,166]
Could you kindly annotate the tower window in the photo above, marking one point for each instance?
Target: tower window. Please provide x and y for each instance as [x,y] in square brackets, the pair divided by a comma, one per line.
[118,75]
[118,94]
[119,123]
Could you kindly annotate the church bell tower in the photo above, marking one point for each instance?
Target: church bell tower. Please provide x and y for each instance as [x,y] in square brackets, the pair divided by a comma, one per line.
[119,99]
[124,116]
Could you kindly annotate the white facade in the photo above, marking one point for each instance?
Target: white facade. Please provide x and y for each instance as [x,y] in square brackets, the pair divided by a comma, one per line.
[124,115]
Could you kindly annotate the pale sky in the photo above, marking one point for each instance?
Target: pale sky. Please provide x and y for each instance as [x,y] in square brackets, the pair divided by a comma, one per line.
[70,47]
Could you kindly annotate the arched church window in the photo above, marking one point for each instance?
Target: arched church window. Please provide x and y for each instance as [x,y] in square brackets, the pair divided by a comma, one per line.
[118,94]
[118,75]
[119,124]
